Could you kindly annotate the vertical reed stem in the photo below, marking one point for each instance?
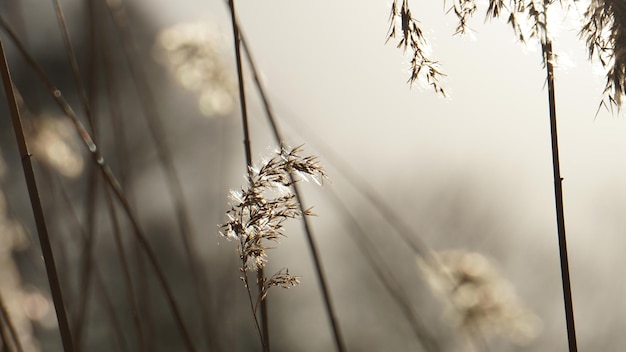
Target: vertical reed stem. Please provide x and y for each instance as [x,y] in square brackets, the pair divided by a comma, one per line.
[42,230]
[558,196]
[12,331]
[321,276]
[248,150]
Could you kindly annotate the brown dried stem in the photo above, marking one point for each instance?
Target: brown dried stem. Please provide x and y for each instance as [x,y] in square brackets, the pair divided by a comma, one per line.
[42,230]
[111,180]
[321,276]
[265,338]
[157,132]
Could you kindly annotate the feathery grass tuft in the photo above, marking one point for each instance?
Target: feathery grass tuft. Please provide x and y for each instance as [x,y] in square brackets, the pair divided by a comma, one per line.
[255,218]
[481,301]
[604,31]
[423,68]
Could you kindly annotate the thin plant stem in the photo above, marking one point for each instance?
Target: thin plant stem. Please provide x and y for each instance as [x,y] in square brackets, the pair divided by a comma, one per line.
[319,269]
[244,277]
[361,185]
[11,327]
[558,196]
[242,92]
[102,292]
[248,152]
[113,183]
[117,120]
[157,133]
[71,57]
[5,338]
[87,257]
[385,275]
[116,114]
[92,181]
[332,316]
[105,298]
[130,292]
[42,230]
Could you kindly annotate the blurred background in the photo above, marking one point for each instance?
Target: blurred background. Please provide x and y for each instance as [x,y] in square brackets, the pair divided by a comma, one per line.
[468,176]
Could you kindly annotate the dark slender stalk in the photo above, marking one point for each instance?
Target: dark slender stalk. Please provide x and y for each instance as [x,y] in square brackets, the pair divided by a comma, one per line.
[29,174]
[11,327]
[110,179]
[52,209]
[110,83]
[321,276]
[157,132]
[107,305]
[130,292]
[5,339]
[101,291]
[319,269]
[242,92]
[558,196]
[152,256]
[248,152]
[92,178]
[71,58]
[146,315]
[79,322]
[362,186]
[385,275]
[244,276]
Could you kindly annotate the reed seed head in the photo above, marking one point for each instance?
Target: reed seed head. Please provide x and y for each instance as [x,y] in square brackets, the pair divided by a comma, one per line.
[480,298]
[259,210]
[604,31]
[410,36]
[193,54]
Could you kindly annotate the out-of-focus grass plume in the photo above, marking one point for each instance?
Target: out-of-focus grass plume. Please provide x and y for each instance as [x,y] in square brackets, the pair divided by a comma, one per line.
[194,54]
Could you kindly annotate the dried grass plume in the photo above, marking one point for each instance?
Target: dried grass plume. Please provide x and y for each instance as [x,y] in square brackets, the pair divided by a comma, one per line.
[258,211]
[481,301]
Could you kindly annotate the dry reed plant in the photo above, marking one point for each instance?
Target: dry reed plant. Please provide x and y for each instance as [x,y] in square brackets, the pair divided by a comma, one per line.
[193,53]
[258,212]
[402,25]
[604,31]
[110,180]
[255,219]
[529,20]
[20,306]
[481,302]
[241,43]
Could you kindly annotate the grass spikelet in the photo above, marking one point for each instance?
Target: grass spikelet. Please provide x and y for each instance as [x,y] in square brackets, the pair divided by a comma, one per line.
[402,25]
[481,300]
[192,53]
[604,31]
[259,211]
[257,217]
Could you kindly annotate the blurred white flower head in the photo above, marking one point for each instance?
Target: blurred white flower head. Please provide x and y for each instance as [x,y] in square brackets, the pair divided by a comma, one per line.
[480,299]
[193,53]
[55,144]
